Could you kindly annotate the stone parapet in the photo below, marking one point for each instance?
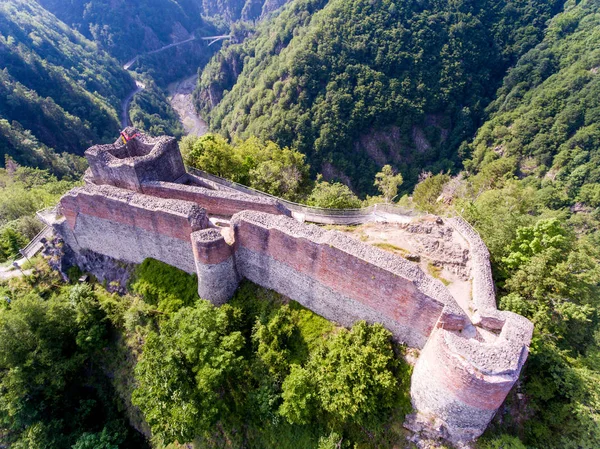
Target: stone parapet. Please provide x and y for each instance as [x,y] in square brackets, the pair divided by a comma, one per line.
[394,290]
[127,164]
[216,202]
[129,226]
[139,202]
[458,383]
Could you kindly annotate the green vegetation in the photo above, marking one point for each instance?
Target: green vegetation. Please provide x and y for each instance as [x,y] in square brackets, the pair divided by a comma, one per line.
[264,166]
[336,78]
[57,91]
[387,182]
[24,191]
[333,196]
[251,371]
[128,28]
[391,248]
[545,123]
[217,377]
[54,392]
[164,287]
[529,191]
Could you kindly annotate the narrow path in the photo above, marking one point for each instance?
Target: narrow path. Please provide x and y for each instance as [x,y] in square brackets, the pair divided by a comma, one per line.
[125,121]
[34,247]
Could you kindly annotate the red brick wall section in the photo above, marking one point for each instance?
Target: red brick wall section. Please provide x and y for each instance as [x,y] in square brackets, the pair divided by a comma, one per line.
[210,247]
[373,286]
[215,202]
[174,219]
[461,378]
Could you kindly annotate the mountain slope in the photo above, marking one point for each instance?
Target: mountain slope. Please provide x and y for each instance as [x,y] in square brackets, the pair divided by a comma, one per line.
[362,83]
[546,119]
[57,91]
[126,28]
[233,10]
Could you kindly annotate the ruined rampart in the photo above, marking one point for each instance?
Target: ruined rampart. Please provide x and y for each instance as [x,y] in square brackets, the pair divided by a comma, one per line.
[341,278]
[141,159]
[129,226]
[216,202]
[458,383]
[132,210]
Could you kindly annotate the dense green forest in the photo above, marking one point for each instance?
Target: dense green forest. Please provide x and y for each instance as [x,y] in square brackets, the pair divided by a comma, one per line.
[78,362]
[531,189]
[23,192]
[490,110]
[128,28]
[228,11]
[58,93]
[358,84]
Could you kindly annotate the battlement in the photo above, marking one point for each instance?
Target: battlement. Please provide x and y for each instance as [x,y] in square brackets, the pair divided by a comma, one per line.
[139,202]
[134,159]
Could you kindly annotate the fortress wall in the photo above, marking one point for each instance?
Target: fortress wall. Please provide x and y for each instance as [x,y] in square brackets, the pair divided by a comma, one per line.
[215,265]
[460,382]
[141,159]
[132,227]
[341,278]
[216,202]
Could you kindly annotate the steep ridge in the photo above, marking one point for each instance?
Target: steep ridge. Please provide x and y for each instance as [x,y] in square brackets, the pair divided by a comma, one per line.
[234,10]
[360,83]
[545,122]
[57,90]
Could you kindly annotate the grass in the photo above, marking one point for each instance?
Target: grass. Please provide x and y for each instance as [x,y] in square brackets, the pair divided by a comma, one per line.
[436,272]
[392,248]
[164,286]
[341,228]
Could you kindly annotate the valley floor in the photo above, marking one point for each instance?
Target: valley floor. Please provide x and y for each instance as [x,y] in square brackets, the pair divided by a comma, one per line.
[180,97]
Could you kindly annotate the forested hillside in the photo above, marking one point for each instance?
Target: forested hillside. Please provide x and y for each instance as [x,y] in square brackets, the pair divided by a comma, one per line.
[233,10]
[357,84]
[58,93]
[532,190]
[128,28]
[545,122]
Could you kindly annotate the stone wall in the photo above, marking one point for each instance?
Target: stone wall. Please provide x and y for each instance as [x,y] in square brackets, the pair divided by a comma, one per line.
[216,202]
[142,159]
[130,226]
[458,383]
[336,276]
[467,365]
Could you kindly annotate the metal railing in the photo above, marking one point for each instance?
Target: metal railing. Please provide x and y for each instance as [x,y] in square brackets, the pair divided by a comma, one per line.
[315,214]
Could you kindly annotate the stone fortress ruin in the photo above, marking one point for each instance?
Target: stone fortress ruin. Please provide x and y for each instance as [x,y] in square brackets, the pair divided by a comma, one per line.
[139,202]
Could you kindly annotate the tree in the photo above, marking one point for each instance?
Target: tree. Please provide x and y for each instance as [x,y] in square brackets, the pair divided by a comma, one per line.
[333,196]
[356,391]
[544,235]
[273,340]
[427,192]
[387,182]
[187,371]
[213,154]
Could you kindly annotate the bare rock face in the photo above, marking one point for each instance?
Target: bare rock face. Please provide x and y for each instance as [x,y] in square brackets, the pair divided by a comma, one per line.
[272,5]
